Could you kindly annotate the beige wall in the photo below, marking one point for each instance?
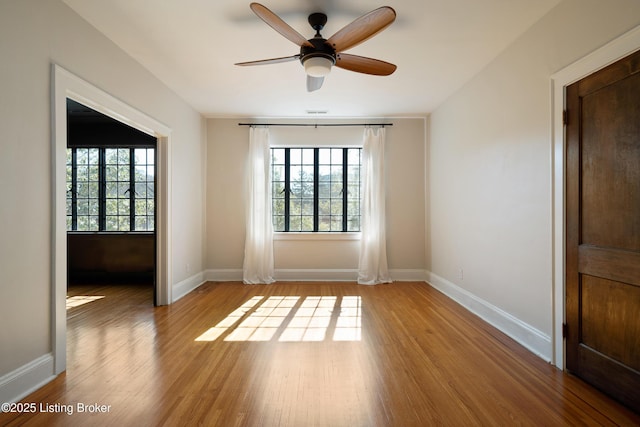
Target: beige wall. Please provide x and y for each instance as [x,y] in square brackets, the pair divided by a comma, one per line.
[405,178]
[33,35]
[490,168]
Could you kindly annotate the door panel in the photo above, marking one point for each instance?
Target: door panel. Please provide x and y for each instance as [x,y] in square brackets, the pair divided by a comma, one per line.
[609,164]
[603,230]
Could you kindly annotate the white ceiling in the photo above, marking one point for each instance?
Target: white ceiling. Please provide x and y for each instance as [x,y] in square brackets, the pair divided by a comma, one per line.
[192,45]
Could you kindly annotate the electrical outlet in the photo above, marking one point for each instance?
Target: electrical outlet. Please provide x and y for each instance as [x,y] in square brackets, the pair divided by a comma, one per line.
[461,274]
[188,268]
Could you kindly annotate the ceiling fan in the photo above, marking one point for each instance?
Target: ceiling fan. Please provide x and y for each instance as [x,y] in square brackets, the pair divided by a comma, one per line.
[318,54]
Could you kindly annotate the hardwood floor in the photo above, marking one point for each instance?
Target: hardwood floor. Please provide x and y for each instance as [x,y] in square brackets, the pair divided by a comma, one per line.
[303,354]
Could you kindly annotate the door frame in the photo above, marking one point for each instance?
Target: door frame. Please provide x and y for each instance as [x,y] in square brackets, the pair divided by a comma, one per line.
[65,84]
[613,51]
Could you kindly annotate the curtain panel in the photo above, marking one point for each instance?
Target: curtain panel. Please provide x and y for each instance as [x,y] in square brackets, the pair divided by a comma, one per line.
[372,267]
[258,266]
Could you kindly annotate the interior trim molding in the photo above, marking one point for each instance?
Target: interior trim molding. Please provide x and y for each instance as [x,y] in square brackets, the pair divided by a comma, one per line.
[611,52]
[531,338]
[65,84]
[26,379]
[189,284]
[315,275]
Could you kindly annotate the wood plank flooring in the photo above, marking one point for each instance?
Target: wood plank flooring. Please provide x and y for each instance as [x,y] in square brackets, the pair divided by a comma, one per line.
[303,354]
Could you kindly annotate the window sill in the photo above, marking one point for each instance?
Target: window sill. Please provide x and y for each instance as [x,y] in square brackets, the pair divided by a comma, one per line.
[301,236]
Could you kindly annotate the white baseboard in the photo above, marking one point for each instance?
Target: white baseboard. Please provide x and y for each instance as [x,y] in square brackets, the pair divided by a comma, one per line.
[315,275]
[525,334]
[182,288]
[26,379]
[319,275]
[408,275]
[224,275]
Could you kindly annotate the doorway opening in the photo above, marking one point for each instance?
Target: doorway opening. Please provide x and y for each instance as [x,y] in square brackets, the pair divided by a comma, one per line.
[110,204]
[66,85]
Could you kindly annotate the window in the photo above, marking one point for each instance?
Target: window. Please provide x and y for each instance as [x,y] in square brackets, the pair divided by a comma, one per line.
[110,189]
[316,189]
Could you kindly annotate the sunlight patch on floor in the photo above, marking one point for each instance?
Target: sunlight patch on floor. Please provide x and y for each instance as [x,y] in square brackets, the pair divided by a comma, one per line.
[78,300]
[313,319]
[213,333]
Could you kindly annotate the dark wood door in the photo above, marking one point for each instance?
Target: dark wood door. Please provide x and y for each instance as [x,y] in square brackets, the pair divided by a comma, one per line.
[603,230]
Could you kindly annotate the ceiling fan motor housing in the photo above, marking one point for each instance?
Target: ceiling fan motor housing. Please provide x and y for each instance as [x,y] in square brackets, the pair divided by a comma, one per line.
[320,48]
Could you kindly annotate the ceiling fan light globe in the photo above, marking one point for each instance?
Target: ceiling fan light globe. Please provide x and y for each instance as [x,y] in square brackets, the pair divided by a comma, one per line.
[317,66]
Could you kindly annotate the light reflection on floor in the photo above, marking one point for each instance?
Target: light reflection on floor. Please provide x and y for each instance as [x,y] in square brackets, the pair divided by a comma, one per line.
[79,300]
[312,319]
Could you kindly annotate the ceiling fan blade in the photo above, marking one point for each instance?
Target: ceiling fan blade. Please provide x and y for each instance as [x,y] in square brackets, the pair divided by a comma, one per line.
[270,61]
[361,64]
[362,28]
[314,83]
[275,22]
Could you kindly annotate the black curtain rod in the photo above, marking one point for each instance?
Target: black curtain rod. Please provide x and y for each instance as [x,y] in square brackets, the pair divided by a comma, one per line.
[316,125]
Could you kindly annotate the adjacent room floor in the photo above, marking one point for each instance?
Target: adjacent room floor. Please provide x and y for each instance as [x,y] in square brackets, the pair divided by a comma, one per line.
[301,354]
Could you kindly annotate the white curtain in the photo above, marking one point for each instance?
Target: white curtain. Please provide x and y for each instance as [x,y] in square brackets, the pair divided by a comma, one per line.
[373,248]
[258,249]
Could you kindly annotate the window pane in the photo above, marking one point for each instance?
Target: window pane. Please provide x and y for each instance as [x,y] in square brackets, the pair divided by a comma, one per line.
[307,207]
[141,190]
[278,173]
[336,156]
[295,172]
[324,206]
[307,223]
[307,173]
[82,156]
[94,207]
[83,207]
[123,223]
[307,156]
[324,223]
[111,223]
[141,208]
[295,207]
[295,223]
[141,223]
[83,190]
[112,207]
[123,156]
[325,156]
[324,173]
[278,189]
[324,189]
[354,223]
[354,156]
[295,156]
[278,207]
[277,156]
[123,173]
[123,190]
[336,207]
[111,173]
[111,156]
[278,223]
[123,208]
[151,160]
[140,155]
